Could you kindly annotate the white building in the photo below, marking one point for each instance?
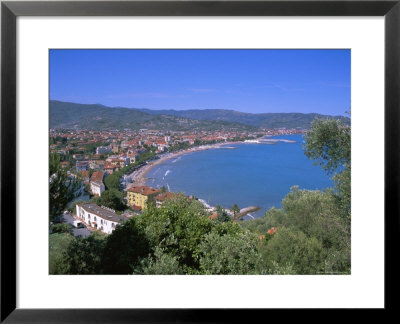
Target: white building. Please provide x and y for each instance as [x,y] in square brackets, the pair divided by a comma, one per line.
[96,183]
[97,188]
[103,150]
[102,218]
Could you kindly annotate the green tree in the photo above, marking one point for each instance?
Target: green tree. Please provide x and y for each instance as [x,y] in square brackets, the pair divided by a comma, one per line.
[62,187]
[160,264]
[61,228]
[112,199]
[112,181]
[228,254]
[235,209]
[329,144]
[84,255]
[292,248]
[125,248]
[222,215]
[177,227]
[58,245]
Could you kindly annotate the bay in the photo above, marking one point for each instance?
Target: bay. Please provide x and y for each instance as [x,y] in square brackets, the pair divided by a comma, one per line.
[249,175]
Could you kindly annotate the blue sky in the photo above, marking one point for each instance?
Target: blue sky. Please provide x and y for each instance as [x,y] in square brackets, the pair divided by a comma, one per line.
[255,81]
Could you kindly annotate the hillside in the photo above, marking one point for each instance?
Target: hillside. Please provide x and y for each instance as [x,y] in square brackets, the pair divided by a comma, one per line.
[266,120]
[97,117]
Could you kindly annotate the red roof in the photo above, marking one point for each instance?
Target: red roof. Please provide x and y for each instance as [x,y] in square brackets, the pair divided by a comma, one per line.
[97,176]
[146,191]
[272,230]
[164,195]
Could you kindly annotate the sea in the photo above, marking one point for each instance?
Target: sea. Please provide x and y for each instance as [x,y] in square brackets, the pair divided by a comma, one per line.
[248,175]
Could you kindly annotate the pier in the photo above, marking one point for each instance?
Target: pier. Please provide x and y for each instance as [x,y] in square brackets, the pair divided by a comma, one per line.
[244,211]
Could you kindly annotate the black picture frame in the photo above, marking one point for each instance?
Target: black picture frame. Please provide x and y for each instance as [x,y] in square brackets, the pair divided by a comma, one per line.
[10,10]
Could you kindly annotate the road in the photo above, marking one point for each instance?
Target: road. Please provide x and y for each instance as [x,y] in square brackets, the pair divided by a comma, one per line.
[84,232]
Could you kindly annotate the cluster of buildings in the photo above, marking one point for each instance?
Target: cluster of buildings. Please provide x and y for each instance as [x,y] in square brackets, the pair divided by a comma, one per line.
[138,197]
[106,219]
[95,154]
[99,217]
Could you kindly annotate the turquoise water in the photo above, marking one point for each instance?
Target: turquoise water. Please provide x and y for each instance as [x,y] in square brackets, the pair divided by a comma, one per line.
[250,175]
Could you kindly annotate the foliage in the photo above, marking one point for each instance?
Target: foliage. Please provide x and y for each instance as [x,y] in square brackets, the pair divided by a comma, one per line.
[228,254]
[112,199]
[112,180]
[329,144]
[289,246]
[222,215]
[177,227]
[161,264]
[58,244]
[72,207]
[62,187]
[61,228]
[260,226]
[84,255]
[235,209]
[125,248]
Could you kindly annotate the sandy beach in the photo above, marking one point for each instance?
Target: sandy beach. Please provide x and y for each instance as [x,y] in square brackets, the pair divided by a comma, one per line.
[139,177]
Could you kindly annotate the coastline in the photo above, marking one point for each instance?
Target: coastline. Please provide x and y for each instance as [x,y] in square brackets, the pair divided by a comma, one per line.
[139,177]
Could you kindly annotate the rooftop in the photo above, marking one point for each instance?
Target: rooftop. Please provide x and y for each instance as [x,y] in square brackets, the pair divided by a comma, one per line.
[146,191]
[102,212]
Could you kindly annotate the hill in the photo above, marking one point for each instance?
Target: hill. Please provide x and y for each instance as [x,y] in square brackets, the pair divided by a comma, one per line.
[98,117]
[265,120]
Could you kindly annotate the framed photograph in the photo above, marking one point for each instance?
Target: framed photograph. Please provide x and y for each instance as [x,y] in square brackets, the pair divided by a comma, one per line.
[163,158]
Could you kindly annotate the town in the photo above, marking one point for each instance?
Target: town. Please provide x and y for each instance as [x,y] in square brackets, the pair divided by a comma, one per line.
[108,163]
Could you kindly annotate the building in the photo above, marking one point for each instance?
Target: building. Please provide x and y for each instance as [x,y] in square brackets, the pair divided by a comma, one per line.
[85,176]
[140,196]
[101,218]
[96,183]
[110,169]
[160,198]
[115,148]
[81,166]
[103,150]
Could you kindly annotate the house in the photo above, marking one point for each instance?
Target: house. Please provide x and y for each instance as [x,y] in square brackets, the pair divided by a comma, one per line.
[140,196]
[96,183]
[81,166]
[110,168]
[103,150]
[160,198]
[85,176]
[101,218]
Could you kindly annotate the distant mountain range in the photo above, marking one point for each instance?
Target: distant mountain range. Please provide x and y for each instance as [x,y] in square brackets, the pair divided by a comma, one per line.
[96,117]
[265,120]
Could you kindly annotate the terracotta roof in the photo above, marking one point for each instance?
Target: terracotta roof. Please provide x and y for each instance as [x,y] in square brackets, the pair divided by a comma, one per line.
[84,173]
[164,195]
[97,176]
[138,208]
[213,216]
[146,191]
[272,230]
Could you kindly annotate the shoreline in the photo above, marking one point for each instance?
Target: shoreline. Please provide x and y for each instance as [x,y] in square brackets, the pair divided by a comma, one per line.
[139,177]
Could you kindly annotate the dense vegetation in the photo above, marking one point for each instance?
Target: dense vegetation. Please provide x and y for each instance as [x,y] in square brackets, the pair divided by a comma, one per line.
[62,187]
[98,117]
[310,234]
